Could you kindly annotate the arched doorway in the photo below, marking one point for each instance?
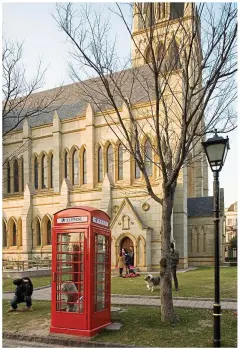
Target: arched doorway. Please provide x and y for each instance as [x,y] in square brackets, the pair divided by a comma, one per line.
[127,244]
[125,240]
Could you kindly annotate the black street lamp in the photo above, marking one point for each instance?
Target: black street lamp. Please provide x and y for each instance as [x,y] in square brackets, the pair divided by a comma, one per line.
[216,149]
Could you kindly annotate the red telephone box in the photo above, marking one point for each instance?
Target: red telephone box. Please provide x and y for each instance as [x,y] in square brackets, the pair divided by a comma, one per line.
[81,271]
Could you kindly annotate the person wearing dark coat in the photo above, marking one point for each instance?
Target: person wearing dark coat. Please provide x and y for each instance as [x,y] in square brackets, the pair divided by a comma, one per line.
[127,261]
[23,293]
[131,253]
[174,262]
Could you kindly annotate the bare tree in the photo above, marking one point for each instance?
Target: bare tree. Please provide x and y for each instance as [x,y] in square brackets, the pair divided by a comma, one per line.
[186,78]
[19,93]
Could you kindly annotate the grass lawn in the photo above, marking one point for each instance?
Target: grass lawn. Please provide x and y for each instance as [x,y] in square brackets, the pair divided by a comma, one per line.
[141,326]
[8,285]
[196,283]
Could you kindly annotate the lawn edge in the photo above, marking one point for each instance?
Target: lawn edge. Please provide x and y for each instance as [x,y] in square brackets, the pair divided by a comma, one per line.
[37,288]
[62,341]
[174,298]
[144,296]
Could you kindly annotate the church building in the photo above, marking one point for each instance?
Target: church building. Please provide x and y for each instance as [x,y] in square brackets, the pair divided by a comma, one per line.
[71,157]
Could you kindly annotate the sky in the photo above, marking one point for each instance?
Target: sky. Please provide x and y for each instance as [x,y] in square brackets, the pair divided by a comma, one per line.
[33,24]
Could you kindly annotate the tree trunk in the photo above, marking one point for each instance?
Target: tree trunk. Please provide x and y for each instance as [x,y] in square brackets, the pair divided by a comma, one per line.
[167,311]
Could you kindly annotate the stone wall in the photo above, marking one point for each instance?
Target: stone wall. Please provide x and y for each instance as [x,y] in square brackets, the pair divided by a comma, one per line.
[201,243]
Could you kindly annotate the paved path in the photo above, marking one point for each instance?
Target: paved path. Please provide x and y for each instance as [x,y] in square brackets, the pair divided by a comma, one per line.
[45,294]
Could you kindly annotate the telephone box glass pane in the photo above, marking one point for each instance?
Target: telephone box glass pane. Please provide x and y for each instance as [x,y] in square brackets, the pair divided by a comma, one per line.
[70,272]
[102,268]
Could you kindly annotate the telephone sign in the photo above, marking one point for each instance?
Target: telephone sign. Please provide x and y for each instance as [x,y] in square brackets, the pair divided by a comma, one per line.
[73,219]
[100,221]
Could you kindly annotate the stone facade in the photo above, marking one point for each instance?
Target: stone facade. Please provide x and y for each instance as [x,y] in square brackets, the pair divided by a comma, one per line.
[231,215]
[73,159]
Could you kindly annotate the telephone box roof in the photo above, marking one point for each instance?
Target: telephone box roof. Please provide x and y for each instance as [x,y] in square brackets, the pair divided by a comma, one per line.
[86,208]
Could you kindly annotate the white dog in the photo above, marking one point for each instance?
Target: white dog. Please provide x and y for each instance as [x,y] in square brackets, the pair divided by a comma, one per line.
[152,282]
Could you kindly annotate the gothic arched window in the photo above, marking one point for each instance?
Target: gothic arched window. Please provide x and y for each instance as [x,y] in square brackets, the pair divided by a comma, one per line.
[148,14]
[36,173]
[84,157]
[75,174]
[16,176]
[161,56]
[148,55]
[14,235]
[49,233]
[8,178]
[137,169]
[4,234]
[148,157]
[176,10]
[120,162]
[100,165]
[44,171]
[173,61]
[160,10]
[51,171]
[66,165]
[110,159]
[38,233]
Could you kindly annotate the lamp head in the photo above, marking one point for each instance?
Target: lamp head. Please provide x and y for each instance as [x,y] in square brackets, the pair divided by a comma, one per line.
[216,149]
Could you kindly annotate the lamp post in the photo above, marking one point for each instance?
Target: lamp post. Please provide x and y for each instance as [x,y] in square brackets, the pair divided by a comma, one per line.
[216,150]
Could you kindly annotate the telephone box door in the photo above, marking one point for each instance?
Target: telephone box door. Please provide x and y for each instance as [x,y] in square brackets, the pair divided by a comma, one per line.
[68,284]
[102,277]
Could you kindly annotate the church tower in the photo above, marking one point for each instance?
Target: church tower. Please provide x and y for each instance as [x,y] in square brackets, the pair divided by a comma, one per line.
[163,24]
[166,30]
[168,34]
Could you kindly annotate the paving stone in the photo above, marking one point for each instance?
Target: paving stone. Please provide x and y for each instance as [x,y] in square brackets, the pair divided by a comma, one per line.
[199,303]
[208,304]
[115,326]
[153,302]
[224,306]
[177,302]
[123,310]
[192,303]
[201,307]
[232,306]
[115,309]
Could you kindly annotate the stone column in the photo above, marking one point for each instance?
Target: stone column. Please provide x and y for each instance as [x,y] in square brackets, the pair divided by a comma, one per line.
[27,164]
[57,147]
[180,230]
[11,176]
[27,216]
[106,200]
[4,179]
[64,195]
[205,177]
[90,140]
[127,164]
[199,171]
[148,249]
